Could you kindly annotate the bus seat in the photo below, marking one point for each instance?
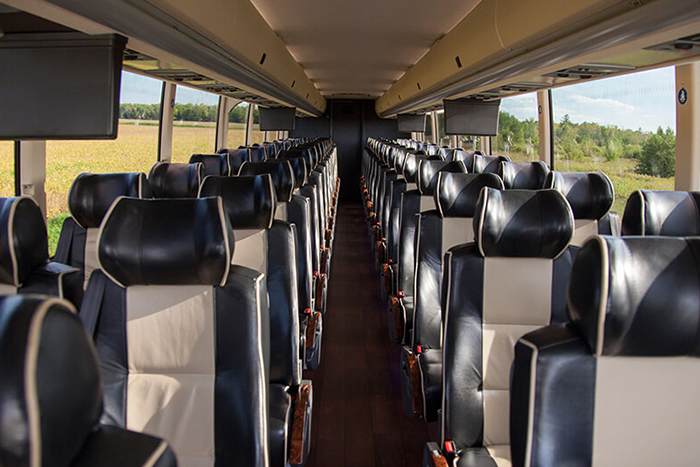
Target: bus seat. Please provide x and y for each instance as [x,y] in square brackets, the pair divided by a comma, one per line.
[174,180]
[214,164]
[24,259]
[180,333]
[257,153]
[600,376]
[89,199]
[511,281]
[268,246]
[523,175]
[665,213]
[438,230]
[590,196]
[236,158]
[488,164]
[52,393]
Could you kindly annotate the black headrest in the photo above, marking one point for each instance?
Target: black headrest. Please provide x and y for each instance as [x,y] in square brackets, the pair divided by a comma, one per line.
[91,195]
[23,240]
[410,166]
[637,296]
[299,167]
[236,158]
[214,164]
[50,376]
[166,242]
[169,180]
[488,164]
[523,175]
[250,202]
[457,194]
[667,213]
[281,172]
[257,153]
[590,195]
[523,223]
[428,172]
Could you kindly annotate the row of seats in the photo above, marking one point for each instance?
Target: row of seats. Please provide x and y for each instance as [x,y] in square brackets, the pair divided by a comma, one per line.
[194,304]
[489,261]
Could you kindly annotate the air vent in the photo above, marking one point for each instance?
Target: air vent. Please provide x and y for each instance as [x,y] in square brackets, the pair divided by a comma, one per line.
[262,59]
[459,62]
[690,44]
[418,84]
[587,71]
[294,82]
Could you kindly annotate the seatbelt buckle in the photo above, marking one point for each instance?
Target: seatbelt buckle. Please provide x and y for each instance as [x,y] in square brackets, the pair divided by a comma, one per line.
[307,311]
[450,446]
[400,293]
[419,349]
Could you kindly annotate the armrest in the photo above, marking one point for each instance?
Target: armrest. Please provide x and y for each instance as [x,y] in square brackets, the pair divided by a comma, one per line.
[58,280]
[320,287]
[298,442]
[432,457]
[311,325]
[414,377]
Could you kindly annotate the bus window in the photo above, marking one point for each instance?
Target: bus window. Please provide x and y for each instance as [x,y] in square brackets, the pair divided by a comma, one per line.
[623,126]
[7,168]
[256,135]
[194,126]
[518,130]
[236,125]
[134,150]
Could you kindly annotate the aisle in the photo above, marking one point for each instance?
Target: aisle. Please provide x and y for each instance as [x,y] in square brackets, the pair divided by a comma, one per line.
[358,418]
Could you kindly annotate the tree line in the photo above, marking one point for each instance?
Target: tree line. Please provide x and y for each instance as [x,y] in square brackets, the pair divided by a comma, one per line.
[654,152]
[185,112]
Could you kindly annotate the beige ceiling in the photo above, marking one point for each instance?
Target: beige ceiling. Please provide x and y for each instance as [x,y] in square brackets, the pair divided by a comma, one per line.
[360,47]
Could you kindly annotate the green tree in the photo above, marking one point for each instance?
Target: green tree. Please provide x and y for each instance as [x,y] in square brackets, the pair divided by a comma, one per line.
[658,154]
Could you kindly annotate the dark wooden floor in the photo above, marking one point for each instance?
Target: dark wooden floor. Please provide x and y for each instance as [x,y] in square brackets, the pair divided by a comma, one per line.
[358,418]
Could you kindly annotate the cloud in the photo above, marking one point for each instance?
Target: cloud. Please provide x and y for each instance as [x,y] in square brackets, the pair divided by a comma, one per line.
[603,103]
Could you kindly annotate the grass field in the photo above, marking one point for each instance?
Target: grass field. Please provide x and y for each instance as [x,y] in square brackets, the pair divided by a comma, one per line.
[135,150]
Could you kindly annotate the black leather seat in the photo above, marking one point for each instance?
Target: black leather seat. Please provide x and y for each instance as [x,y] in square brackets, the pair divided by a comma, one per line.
[181,333]
[623,375]
[523,175]
[296,210]
[269,246]
[665,213]
[24,258]
[89,199]
[257,153]
[488,164]
[511,281]
[170,180]
[590,196]
[52,394]
[437,231]
[236,158]
[213,164]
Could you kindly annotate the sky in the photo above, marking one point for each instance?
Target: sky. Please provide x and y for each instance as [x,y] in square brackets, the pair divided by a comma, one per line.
[643,100]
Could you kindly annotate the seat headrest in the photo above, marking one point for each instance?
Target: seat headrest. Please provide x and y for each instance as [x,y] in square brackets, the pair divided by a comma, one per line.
[667,213]
[457,194]
[590,195]
[637,296]
[250,202]
[50,375]
[236,158]
[23,241]
[523,223]
[428,172]
[91,195]
[299,168]
[257,153]
[523,175]
[214,164]
[410,166]
[281,172]
[172,180]
[166,242]
[488,164]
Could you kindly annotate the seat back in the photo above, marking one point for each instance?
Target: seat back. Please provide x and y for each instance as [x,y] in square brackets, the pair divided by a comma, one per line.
[89,199]
[166,306]
[523,175]
[213,164]
[590,196]
[429,171]
[175,180]
[666,213]
[235,158]
[629,341]
[516,273]
[488,164]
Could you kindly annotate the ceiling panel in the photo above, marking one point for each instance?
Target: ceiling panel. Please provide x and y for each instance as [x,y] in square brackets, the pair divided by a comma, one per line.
[360,47]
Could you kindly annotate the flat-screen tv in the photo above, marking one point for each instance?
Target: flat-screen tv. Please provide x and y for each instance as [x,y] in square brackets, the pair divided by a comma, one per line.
[471,117]
[62,85]
[409,123]
[276,118]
